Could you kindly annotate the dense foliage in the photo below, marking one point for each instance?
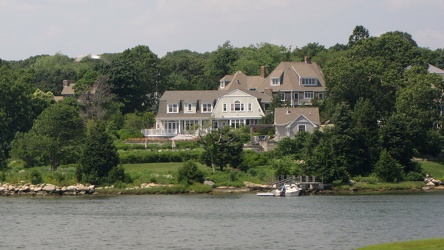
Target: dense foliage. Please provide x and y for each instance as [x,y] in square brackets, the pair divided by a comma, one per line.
[381,99]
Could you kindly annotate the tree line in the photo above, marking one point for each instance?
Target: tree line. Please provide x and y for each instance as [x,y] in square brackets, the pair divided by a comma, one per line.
[382,100]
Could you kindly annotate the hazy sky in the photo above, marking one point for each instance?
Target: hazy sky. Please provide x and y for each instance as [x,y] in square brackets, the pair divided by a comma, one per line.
[78,27]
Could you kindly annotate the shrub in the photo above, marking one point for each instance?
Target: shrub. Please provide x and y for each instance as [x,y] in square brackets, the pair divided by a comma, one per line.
[35,177]
[117,174]
[146,156]
[387,168]
[189,174]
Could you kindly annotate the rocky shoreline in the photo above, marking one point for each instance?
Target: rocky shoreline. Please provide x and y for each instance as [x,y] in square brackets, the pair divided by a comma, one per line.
[7,189]
[45,189]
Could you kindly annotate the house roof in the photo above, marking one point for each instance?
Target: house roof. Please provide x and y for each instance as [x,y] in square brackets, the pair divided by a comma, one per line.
[198,97]
[241,81]
[433,69]
[284,116]
[290,73]
[68,89]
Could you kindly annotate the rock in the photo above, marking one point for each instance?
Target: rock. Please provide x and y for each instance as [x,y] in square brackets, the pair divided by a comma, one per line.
[209,183]
[430,183]
[255,186]
[49,188]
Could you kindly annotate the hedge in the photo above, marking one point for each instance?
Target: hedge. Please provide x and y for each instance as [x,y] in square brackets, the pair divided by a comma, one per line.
[146,156]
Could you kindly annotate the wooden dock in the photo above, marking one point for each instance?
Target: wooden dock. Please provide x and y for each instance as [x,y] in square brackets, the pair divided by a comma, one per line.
[306,183]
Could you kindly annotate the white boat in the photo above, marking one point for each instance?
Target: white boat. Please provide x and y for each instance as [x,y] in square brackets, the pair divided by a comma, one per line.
[287,190]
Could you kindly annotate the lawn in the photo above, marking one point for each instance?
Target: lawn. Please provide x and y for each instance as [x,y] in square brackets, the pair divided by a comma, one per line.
[433,168]
[409,245]
[161,167]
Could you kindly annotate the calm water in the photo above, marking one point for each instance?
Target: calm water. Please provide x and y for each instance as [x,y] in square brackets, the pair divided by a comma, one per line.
[233,221]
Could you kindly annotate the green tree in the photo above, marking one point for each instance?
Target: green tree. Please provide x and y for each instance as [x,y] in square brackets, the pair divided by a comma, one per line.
[365,120]
[359,33]
[396,139]
[189,174]
[222,147]
[222,60]
[417,101]
[134,77]
[20,104]
[387,168]
[251,58]
[49,72]
[60,131]
[99,155]
[184,70]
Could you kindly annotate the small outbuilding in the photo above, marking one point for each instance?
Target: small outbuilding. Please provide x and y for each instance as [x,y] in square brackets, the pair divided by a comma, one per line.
[289,121]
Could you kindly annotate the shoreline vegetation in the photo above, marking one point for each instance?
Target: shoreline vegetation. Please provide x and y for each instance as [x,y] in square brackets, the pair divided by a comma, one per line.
[424,244]
[161,178]
[7,189]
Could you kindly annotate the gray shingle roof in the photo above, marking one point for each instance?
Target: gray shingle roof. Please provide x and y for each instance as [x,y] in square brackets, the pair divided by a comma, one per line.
[283,116]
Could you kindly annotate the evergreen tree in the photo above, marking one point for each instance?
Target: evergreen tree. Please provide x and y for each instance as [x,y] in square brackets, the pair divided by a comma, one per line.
[99,156]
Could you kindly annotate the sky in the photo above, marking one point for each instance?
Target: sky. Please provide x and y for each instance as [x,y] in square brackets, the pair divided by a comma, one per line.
[78,27]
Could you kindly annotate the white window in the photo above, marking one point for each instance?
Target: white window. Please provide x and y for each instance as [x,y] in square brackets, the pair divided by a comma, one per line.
[282,94]
[309,81]
[207,108]
[173,108]
[296,96]
[224,107]
[237,123]
[250,107]
[189,124]
[222,84]
[275,81]
[301,128]
[321,95]
[308,95]
[189,107]
[237,106]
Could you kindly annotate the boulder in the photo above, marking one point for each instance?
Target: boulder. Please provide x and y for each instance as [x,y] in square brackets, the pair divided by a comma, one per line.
[49,188]
[209,183]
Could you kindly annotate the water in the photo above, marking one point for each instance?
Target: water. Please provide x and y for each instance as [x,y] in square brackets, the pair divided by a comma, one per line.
[235,221]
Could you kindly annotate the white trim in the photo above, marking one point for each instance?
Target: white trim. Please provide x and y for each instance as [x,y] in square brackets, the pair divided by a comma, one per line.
[173,108]
[208,107]
[308,97]
[275,81]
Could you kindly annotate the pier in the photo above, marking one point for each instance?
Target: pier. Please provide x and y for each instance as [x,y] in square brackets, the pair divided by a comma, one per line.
[306,183]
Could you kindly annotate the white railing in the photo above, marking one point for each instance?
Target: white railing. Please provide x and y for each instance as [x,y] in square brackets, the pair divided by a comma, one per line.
[174,132]
[159,132]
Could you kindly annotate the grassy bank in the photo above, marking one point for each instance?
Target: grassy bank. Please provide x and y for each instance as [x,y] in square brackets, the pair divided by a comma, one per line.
[165,175]
[426,244]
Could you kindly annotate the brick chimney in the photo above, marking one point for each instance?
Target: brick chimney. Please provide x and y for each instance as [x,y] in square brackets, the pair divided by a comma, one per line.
[263,71]
[307,59]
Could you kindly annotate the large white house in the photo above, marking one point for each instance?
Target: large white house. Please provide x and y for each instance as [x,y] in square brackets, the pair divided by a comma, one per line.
[182,112]
[240,100]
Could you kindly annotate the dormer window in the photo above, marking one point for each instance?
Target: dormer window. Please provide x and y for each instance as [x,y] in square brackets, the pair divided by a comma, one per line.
[237,106]
[275,81]
[309,81]
[173,108]
[207,108]
[222,84]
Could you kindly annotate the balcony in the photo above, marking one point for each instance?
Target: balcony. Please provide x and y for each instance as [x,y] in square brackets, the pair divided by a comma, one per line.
[159,132]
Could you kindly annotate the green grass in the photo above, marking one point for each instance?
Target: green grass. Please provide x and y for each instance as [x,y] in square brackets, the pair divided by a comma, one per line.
[162,167]
[433,168]
[436,244]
